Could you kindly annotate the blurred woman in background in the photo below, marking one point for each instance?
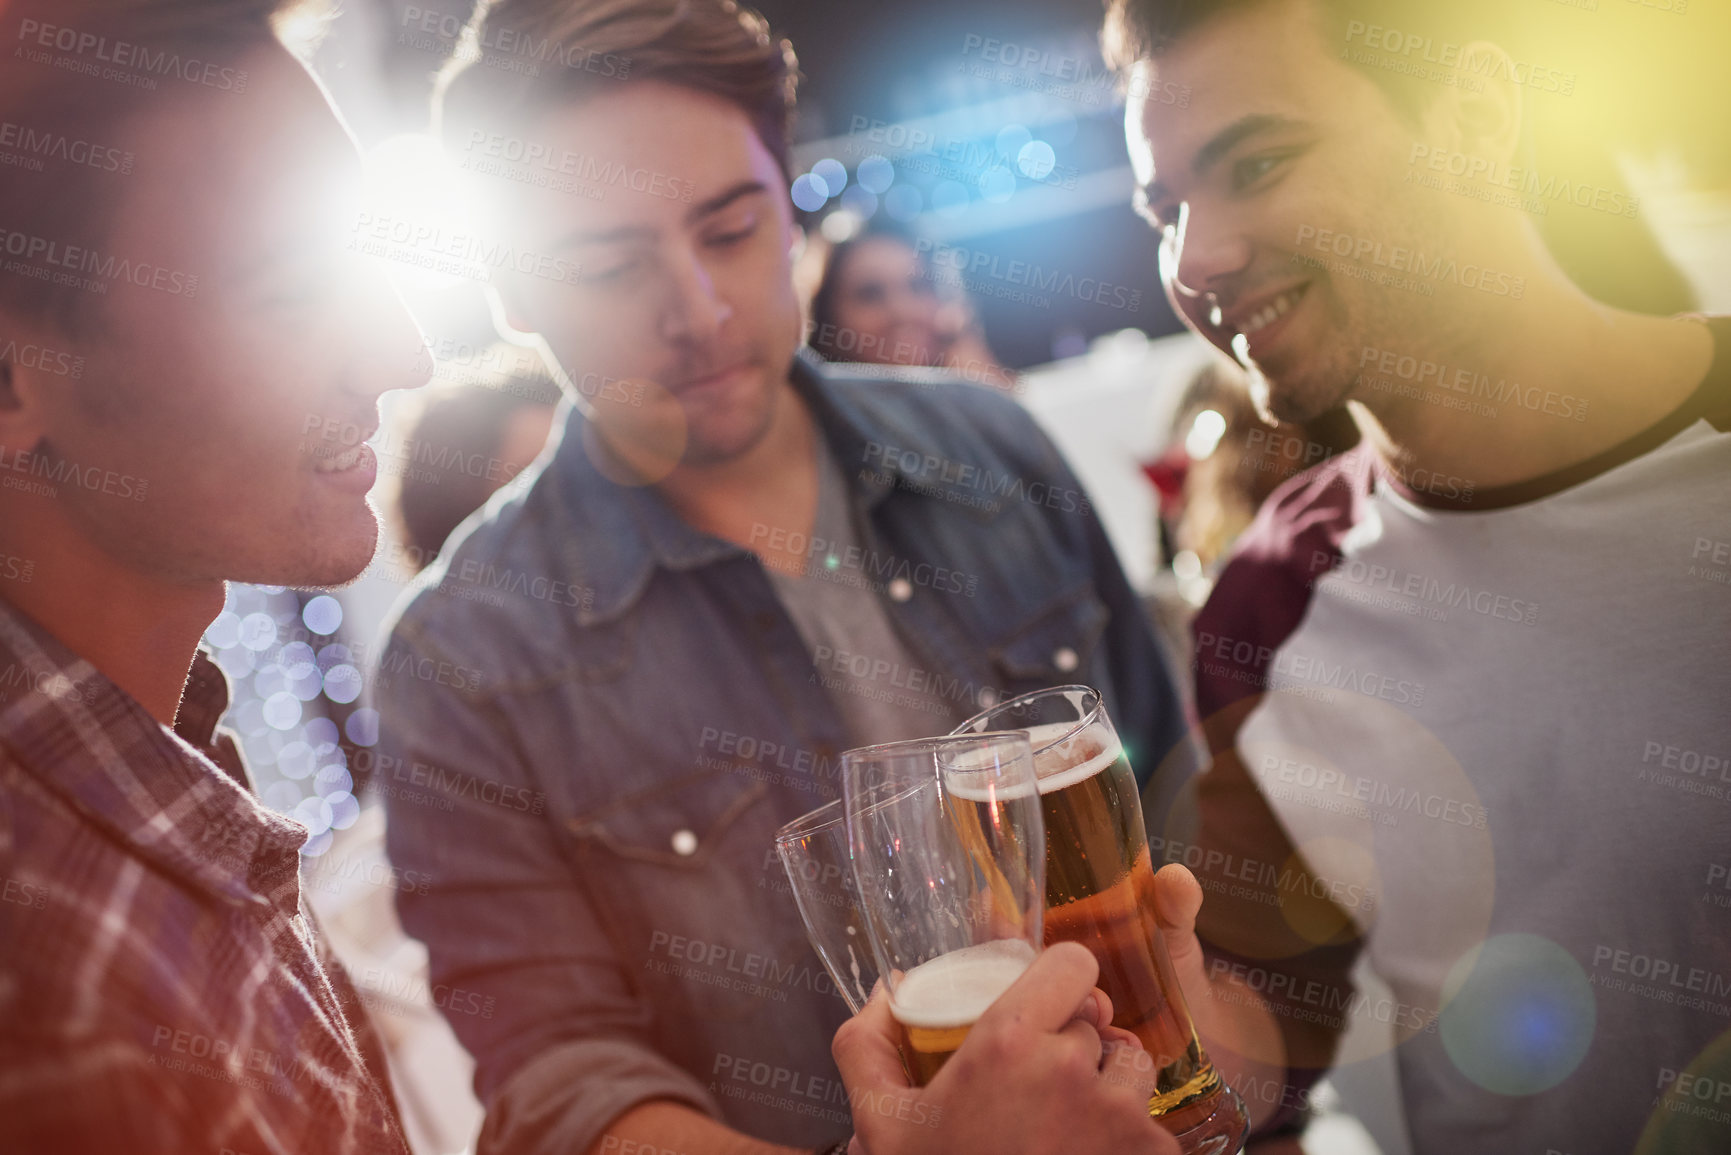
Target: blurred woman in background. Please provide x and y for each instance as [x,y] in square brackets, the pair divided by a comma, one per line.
[877,301]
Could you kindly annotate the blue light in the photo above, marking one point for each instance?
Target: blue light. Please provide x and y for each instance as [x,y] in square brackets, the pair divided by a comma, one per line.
[904,202]
[859,201]
[1011,139]
[997,185]
[876,174]
[832,173]
[950,198]
[809,193]
[1036,160]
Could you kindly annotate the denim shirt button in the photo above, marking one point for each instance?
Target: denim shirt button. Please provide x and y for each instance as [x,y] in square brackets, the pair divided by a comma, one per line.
[901,590]
[1066,659]
[684,843]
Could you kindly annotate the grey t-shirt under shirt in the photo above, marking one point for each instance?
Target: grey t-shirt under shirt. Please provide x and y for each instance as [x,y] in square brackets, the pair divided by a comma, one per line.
[876,683]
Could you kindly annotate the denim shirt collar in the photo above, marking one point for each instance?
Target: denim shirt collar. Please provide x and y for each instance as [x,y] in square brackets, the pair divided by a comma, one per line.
[615,536]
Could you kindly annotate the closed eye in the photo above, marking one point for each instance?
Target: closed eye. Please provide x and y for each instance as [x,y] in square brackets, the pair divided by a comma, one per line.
[734,236]
[1252,169]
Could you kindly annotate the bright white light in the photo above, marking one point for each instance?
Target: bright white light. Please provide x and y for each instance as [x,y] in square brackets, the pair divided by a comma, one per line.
[841,226]
[1205,434]
[323,614]
[413,189]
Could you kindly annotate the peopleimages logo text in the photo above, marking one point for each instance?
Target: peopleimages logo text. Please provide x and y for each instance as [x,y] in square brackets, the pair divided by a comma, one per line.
[122,54]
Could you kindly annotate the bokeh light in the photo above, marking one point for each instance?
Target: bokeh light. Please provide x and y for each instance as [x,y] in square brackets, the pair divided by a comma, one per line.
[832,173]
[876,174]
[859,201]
[903,202]
[950,198]
[1012,138]
[1036,160]
[809,193]
[323,615]
[1519,1014]
[997,185]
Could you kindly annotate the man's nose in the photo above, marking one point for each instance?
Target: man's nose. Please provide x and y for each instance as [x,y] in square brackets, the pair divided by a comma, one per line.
[695,312]
[1207,249]
[391,352]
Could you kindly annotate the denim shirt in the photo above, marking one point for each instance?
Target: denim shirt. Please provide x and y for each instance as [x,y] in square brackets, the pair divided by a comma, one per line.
[594,718]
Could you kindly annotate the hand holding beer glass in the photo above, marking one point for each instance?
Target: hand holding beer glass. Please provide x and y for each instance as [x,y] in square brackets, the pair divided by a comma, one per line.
[1099,892]
[949,863]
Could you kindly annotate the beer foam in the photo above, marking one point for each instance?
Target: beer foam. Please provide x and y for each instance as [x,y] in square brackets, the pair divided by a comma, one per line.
[1051,732]
[972,775]
[954,990]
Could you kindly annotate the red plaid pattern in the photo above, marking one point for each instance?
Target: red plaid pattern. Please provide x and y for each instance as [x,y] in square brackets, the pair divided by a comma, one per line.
[162,988]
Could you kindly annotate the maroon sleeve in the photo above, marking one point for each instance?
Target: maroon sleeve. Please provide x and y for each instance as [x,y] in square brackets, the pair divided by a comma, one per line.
[1243,857]
[1264,591]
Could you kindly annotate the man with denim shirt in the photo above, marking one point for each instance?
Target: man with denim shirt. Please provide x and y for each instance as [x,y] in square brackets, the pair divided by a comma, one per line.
[598,795]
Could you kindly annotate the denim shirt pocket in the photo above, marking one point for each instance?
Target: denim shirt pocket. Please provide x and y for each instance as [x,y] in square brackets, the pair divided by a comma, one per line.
[677,825]
[1055,644]
[679,874]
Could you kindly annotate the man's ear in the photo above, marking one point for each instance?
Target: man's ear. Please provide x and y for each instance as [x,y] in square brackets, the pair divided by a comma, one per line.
[1482,121]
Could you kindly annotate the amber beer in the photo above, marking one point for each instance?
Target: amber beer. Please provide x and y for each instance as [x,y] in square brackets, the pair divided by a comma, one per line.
[1099,892]
[938,1002]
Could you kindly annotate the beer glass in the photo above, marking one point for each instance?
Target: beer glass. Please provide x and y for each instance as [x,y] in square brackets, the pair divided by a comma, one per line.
[813,850]
[1099,892]
[949,864]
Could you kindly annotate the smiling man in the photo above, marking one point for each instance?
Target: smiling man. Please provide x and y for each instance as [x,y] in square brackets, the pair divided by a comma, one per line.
[736,563]
[176,307]
[1464,684]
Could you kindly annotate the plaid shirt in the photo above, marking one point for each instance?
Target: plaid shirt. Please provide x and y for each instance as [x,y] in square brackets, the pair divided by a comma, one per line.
[161,986]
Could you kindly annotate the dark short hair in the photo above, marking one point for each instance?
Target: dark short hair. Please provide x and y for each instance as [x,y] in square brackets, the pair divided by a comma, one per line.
[73,203]
[1142,29]
[1616,259]
[518,58]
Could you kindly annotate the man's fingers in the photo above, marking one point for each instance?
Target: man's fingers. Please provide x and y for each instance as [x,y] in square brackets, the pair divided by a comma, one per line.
[1095,1008]
[865,1047]
[1119,1037]
[1177,899]
[1125,1063]
[1085,1039]
[1048,993]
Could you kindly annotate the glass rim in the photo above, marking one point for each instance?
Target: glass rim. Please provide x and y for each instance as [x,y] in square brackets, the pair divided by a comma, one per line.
[811,821]
[834,812]
[1089,716]
[933,744]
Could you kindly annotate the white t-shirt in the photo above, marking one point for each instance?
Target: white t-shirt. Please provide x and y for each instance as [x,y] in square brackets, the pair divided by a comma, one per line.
[1500,737]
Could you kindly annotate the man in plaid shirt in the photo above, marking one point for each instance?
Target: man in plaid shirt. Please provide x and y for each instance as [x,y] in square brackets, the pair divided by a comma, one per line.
[181,323]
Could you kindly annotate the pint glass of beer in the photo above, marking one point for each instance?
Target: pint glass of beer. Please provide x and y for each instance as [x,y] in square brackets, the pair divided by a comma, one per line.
[949,864]
[1099,892]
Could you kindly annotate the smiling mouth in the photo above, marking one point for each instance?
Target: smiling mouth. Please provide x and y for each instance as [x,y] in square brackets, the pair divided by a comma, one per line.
[1265,316]
[347,459]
